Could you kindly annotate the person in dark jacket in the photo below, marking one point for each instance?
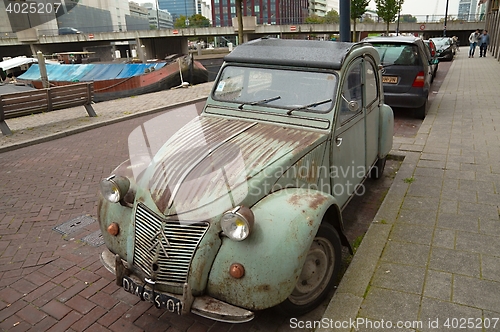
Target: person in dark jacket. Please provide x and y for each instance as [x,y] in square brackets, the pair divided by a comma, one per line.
[484,41]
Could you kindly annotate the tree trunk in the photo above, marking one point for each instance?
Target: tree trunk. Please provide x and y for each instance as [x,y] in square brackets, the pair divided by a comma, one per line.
[354,37]
[387,32]
[239,15]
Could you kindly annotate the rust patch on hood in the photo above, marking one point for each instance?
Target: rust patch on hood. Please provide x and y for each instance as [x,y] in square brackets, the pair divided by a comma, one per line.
[211,158]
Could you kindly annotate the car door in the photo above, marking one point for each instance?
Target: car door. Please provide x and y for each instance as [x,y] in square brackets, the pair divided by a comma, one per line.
[348,147]
[372,106]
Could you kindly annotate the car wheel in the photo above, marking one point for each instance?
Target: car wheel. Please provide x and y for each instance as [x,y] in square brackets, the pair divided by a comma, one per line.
[318,275]
[422,110]
[378,169]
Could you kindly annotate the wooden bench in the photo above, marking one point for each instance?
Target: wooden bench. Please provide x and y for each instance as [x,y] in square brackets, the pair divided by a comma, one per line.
[45,100]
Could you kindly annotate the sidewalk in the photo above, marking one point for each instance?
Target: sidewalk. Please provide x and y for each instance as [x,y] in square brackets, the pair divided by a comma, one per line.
[43,127]
[431,258]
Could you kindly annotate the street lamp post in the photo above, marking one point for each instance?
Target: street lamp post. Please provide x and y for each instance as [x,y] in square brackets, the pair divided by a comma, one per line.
[445,18]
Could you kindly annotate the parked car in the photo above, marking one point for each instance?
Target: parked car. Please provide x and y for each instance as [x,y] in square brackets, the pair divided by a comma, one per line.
[240,210]
[432,54]
[68,31]
[407,72]
[445,48]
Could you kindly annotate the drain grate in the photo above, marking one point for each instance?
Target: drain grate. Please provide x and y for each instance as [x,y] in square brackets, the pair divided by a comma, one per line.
[94,239]
[74,225]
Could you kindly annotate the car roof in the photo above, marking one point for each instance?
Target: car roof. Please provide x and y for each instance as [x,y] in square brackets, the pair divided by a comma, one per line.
[301,53]
[399,39]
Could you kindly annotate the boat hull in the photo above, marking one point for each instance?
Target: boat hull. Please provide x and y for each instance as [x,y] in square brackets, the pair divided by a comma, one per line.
[164,78]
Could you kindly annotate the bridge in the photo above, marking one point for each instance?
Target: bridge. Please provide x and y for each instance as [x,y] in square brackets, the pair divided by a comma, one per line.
[157,43]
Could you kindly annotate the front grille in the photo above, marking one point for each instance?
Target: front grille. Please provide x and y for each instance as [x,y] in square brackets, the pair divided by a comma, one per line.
[152,248]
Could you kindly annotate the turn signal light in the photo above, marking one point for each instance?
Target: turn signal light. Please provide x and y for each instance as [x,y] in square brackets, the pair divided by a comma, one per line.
[237,271]
[113,229]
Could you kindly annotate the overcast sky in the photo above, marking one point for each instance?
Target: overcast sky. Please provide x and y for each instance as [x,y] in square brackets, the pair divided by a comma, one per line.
[426,7]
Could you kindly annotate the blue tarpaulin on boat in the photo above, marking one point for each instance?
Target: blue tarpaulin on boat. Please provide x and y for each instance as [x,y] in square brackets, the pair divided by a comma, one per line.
[89,72]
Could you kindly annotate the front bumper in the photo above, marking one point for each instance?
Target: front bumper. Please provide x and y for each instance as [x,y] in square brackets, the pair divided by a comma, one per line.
[204,306]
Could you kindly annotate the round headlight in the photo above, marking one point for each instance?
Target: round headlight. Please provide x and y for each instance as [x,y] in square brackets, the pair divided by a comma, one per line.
[114,188]
[237,223]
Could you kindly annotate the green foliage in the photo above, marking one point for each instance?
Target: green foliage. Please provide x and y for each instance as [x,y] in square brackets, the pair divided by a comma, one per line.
[358,8]
[180,22]
[199,21]
[408,18]
[332,17]
[388,10]
[409,180]
[314,19]
[195,21]
[152,27]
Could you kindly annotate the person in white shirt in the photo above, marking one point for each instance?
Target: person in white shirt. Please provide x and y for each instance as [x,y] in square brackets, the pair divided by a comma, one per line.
[473,39]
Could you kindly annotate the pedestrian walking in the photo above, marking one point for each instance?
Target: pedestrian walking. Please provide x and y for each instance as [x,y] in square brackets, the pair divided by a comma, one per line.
[484,41]
[473,39]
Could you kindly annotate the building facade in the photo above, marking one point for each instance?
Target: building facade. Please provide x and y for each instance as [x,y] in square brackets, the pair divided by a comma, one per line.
[160,19]
[266,11]
[318,7]
[467,10]
[177,8]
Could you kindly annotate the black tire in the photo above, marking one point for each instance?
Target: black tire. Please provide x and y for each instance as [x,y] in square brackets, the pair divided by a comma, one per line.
[422,110]
[321,269]
[378,169]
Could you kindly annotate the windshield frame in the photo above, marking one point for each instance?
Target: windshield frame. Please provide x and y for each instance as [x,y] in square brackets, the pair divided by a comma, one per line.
[253,105]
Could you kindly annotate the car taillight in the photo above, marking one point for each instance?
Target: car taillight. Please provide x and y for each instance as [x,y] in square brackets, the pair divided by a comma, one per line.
[419,80]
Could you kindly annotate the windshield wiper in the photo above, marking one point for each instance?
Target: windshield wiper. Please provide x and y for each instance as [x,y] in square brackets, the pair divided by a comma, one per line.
[259,102]
[307,106]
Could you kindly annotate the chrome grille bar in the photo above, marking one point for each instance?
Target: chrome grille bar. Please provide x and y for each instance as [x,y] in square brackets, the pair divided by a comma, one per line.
[174,254]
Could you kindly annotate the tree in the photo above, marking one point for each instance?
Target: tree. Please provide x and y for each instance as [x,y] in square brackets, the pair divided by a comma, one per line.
[199,21]
[388,9]
[180,22]
[332,17]
[314,19]
[358,8]
[239,15]
[408,18]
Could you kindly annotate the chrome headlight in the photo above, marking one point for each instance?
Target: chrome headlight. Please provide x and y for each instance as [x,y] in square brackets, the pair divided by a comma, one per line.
[237,223]
[114,188]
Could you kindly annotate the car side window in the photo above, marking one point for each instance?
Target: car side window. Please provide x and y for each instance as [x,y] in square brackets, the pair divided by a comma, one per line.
[352,91]
[370,83]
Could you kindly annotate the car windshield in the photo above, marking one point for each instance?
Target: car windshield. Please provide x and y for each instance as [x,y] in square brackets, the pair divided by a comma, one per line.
[440,42]
[398,54]
[290,89]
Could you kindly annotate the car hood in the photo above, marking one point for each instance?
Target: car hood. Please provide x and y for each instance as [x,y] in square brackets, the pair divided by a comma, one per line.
[212,164]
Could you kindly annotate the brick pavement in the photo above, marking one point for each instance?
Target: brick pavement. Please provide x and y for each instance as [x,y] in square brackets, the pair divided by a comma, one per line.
[432,253]
[54,282]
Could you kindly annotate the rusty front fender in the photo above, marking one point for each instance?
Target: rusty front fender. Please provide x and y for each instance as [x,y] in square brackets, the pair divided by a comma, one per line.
[286,223]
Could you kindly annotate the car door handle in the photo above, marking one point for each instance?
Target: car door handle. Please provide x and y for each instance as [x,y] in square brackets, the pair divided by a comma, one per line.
[338,141]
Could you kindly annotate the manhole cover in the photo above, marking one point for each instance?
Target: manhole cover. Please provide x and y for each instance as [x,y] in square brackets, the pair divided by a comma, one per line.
[74,225]
[94,239]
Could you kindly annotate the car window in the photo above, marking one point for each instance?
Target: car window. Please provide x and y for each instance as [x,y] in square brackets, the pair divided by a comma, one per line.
[276,88]
[398,54]
[370,83]
[351,91]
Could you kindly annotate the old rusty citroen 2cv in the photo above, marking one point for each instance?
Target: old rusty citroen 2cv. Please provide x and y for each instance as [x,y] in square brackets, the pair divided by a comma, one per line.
[240,209]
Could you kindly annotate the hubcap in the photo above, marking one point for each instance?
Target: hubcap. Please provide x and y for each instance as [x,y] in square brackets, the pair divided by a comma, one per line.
[316,272]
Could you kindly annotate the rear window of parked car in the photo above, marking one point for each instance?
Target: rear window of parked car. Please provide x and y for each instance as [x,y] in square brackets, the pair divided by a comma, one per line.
[398,54]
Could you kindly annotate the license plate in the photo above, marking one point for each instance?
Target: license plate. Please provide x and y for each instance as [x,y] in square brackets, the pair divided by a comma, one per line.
[390,79]
[160,300]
